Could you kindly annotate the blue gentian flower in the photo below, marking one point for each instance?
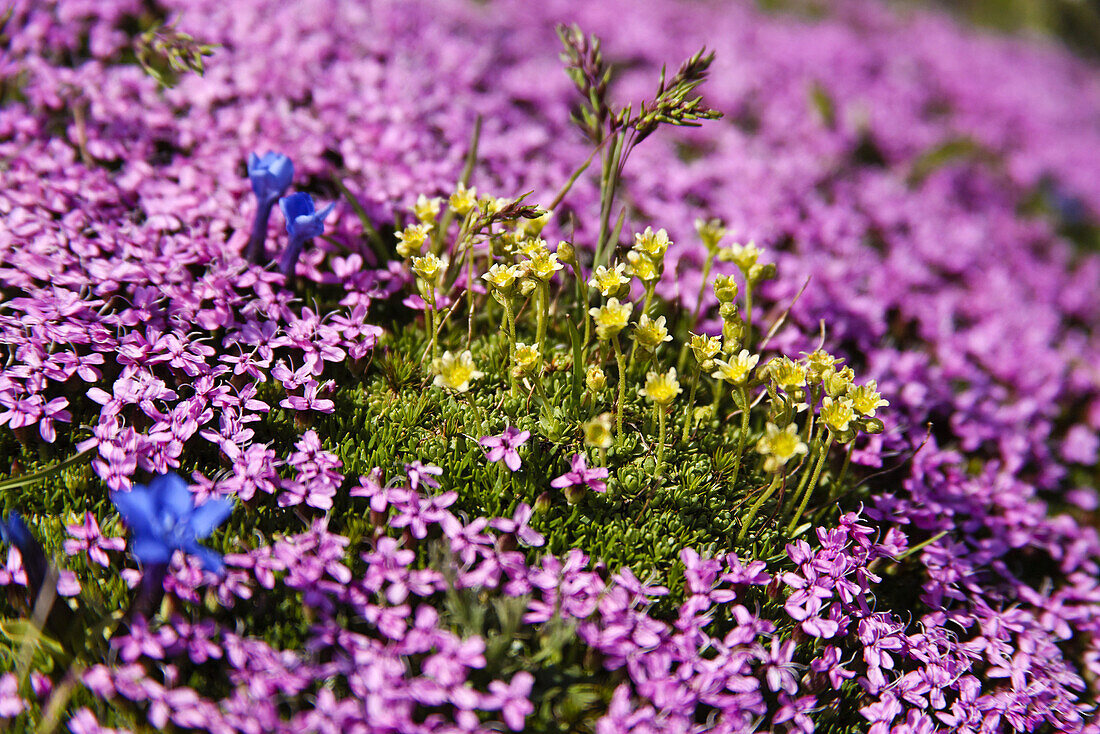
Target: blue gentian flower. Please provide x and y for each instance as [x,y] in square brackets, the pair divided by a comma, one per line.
[270,176]
[15,532]
[303,223]
[163,518]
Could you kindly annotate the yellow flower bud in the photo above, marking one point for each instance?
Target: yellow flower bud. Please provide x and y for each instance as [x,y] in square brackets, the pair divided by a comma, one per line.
[653,244]
[609,280]
[463,200]
[787,374]
[725,287]
[837,414]
[429,268]
[411,239]
[711,233]
[642,267]
[744,256]
[705,348]
[595,379]
[527,359]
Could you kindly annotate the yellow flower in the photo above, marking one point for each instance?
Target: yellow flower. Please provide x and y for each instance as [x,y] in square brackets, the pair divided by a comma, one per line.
[609,280]
[653,244]
[641,266]
[837,414]
[502,277]
[865,398]
[779,446]
[426,210]
[662,389]
[737,370]
[711,233]
[820,363]
[744,256]
[527,358]
[787,374]
[650,334]
[463,200]
[597,431]
[543,264]
[611,318]
[429,268]
[455,373]
[595,379]
[411,239]
[705,349]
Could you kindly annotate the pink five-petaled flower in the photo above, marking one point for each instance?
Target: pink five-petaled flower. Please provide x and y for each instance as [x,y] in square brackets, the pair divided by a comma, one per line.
[513,698]
[579,474]
[87,536]
[504,446]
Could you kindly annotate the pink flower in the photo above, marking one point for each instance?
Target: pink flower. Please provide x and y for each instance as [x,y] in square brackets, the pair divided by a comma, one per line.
[504,446]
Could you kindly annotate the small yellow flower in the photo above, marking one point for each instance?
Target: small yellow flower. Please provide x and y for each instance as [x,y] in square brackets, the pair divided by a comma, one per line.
[609,280]
[661,388]
[725,287]
[744,256]
[787,374]
[595,379]
[779,446]
[820,363]
[711,233]
[641,266]
[543,265]
[865,398]
[429,268]
[463,200]
[611,318]
[737,370]
[490,205]
[837,381]
[426,210]
[527,359]
[531,246]
[597,431]
[502,277]
[705,349]
[650,334]
[411,239]
[455,373]
[653,244]
[837,414]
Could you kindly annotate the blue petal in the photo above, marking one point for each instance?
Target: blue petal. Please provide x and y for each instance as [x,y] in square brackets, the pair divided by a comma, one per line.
[325,212]
[150,550]
[172,495]
[281,169]
[209,516]
[136,508]
[211,559]
[308,226]
[254,164]
[298,204]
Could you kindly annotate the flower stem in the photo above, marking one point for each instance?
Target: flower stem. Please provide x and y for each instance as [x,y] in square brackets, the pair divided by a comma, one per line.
[757,505]
[744,401]
[620,360]
[691,405]
[813,484]
[843,469]
[660,438]
[543,314]
[510,333]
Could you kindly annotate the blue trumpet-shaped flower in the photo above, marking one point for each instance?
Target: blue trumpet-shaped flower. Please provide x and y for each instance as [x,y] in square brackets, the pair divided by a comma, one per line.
[15,532]
[163,519]
[270,175]
[303,223]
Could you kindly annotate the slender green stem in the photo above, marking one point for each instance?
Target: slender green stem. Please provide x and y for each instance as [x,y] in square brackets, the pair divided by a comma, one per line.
[810,422]
[843,469]
[660,437]
[25,479]
[757,505]
[748,313]
[620,360]
[813,484]
[811,456]
[430,301]
[744,394]
[688,415]
[510,332]
[543,313]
